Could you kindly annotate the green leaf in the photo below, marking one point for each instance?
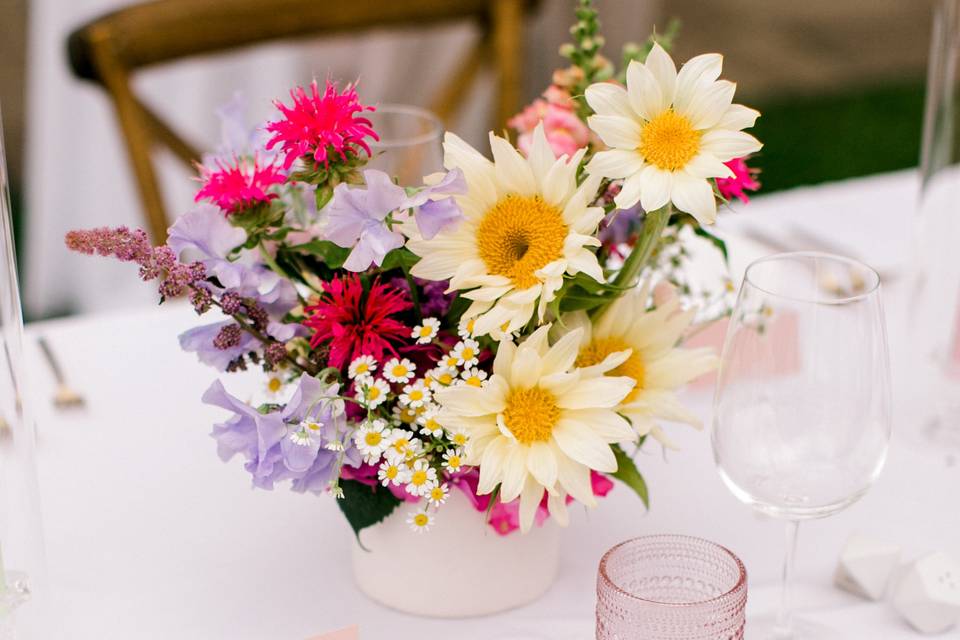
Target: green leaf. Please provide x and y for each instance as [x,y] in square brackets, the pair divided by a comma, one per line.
[365,506]
[628,474]
[402,257]
[717,242]
[332,255]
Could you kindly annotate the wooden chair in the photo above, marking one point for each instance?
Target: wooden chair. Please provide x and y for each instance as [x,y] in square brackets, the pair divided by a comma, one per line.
[109,50]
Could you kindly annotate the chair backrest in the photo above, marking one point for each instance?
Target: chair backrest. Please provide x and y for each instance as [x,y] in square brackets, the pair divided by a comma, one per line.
[110,49]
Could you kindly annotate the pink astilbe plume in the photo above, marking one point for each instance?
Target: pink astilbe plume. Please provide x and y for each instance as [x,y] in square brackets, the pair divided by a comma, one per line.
[240,184]
[322,124]
[134,246]
[353,323]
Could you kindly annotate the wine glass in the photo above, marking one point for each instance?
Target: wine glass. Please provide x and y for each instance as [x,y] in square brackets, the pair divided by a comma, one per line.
[410,144]
[802,407]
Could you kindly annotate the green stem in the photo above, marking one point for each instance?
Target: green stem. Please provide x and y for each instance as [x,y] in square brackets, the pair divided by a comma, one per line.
[653,225]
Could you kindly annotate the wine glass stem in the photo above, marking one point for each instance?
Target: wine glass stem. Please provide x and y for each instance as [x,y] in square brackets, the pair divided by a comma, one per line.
[785,616]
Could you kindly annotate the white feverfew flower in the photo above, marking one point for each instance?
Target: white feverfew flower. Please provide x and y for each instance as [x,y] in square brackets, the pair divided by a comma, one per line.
[422,478]
[467,353]
[420,521]
[275,385]
[438,494]
[415,395]
[372,392]
[402,445]
[473,377]
[362,367]
[371,439]
[465,328]
[426,331]
[399,371]
[453,460]
[393,472]
[428,423]
[669,133]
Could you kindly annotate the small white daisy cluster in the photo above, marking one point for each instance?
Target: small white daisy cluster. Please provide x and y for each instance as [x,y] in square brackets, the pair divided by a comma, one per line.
[401,435]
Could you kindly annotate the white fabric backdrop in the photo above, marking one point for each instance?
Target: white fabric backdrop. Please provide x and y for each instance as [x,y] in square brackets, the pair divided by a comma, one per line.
[76,170]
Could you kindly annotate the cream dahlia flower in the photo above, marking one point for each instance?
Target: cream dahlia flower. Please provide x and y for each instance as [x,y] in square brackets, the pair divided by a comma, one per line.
[539,424]
[670,132]
[631,340]
[526,223]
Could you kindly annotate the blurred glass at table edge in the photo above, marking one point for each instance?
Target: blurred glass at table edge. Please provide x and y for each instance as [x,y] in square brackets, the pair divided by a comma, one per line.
[24,606]
[410,145]
[802,411]
[933,312]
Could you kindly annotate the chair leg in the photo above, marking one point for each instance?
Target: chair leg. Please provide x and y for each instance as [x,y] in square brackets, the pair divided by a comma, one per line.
[507,21]
[136,136]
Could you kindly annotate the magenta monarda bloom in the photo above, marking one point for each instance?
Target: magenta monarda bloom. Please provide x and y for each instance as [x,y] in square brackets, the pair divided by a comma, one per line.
[743,180]
[321,125]
[240,184]
[353,323]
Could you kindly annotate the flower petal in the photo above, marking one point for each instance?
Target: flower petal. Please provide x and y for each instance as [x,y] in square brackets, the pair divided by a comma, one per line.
[694,75]
[727,145]
[512,171]
[542,464]
[738,117]
[664,70]
[577,440]
[616,131]
[615,163]
[630,192]
[694,196]
[609,99]
[643,91]
[597,393]
[655,187]
[709,105]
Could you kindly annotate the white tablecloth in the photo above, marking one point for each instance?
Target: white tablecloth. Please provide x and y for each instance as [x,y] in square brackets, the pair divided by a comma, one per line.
[149,535]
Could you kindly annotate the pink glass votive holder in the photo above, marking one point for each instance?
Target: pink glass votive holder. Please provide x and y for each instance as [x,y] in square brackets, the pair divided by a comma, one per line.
[671,587]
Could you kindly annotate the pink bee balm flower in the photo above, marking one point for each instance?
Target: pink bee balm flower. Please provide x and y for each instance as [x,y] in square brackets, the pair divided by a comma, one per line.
[743,180]
[566,132]
[239,184]
[321,125]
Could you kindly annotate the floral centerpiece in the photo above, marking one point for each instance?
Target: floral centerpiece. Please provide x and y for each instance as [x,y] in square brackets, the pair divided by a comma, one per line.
[507,329]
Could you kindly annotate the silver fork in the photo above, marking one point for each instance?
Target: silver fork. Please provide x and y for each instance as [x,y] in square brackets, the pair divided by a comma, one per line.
[65,397]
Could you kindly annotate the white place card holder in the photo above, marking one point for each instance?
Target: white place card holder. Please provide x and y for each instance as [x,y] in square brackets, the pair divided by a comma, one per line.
[866,566]
[927,594]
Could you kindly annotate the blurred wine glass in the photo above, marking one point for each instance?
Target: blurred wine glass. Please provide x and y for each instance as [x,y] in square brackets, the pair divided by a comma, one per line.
[410,145]
[933,315]
[802,406]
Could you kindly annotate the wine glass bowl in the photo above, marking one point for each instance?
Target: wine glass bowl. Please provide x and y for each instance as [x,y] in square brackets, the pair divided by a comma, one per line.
[802,407]
[410,144]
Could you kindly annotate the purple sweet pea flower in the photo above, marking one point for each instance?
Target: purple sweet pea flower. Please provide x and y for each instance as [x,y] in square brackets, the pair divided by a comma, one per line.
[289,444]
[204,234]
[433,214]
[356,218]
[202,341]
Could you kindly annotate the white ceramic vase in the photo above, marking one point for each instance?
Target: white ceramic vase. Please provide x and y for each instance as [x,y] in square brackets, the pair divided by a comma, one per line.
[463,567]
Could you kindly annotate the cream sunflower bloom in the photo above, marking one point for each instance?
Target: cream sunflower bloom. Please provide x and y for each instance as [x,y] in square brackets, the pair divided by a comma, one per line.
[539,424]
[630,339]
[526,224]
[670,133]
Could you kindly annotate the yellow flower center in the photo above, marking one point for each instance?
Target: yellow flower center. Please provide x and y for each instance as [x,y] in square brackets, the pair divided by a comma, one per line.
[459,439]
[451,361]
[274,385]
[596,351]
[399,371]
[373,393]
[362,368]
[431,424]
[436,493]
[392,472]
[421,519]
[454,462]
[518,236]
[475,381]
[407,415]
[445,378]
[468,353]
[418,478]
[531,414]
[426,332]
[373,438]
[669,141]
[470,324]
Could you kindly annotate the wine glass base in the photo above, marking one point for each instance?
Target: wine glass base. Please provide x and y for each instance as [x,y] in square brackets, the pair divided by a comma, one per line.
[766,627]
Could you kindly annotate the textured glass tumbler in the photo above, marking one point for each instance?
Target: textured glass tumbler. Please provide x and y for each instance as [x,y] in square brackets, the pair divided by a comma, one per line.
[670,587]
